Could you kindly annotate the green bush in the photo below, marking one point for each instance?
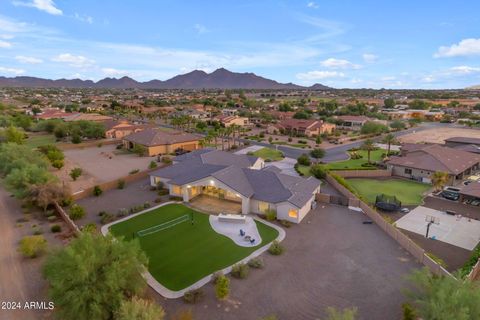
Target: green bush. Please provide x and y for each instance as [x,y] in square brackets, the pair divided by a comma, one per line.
[318,171]
[256,263]
[286,223]
[146,205]
[122,212]
[106,218]
[89,227]
[240,271]
[166,160]
[55,228]
[222,287]
[32,246]
[97,191]
[76,212]
[134,171]
[304,160]
[193,296]
[408,312]
[270,214]
[276,248]
[75,173]
[152,165]
[468,266]
[76,139]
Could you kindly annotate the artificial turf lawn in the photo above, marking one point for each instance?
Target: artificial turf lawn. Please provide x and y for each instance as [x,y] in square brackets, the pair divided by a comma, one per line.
[181,255]
[353,164]
[408,192]
[305,170]
[267,153]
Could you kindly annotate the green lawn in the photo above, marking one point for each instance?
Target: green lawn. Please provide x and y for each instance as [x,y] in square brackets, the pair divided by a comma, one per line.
[408,192]
[269,154]
[305,170]
[181,255]
[353,164]
[35,141]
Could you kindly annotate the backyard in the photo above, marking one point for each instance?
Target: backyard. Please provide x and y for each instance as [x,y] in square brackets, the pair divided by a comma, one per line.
[37,140]
[185,253]
[356,164]
[408,192]
[269,154]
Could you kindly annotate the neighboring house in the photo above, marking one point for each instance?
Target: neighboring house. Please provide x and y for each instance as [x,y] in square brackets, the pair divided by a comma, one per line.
[161,141]
[464,143]
[119,129]
[194,114]
[352,122]
[228,121]
[239,178]
[229,112]
[471,193]
[422,163]
[303,127]
[282,115]
[87,117]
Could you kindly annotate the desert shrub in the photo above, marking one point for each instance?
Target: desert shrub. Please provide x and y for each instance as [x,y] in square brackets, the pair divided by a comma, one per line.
[304,160]
[270,214]
[222,287]
[52,218]
[122,212]
[97,191]
[76,212]
[120,184]
[75,173]
[193,296]
[146,205]
[408,312]
[216,276]
[166,160]
[152,165]
[32,246]
[56,228]
[89,227]
[76,139]
[256,263]
[106,218]
[318,171]
[66,202]
[157,200]
[37,231]
[134,171]
[240,271]
[276,248]
[286,223]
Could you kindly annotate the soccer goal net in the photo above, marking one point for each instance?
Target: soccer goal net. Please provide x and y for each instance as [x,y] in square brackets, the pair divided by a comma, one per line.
[163,226]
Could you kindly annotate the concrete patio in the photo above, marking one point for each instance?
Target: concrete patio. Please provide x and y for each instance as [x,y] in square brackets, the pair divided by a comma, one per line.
[215,205]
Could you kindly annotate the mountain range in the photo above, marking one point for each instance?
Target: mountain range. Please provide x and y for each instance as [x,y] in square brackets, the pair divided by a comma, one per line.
[197,79]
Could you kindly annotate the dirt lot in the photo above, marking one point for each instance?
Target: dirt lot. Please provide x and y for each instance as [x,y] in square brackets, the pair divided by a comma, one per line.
[331,259]
[100,165]
[438,135]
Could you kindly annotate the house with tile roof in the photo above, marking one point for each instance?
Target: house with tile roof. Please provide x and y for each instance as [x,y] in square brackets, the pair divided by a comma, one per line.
[423,160]
[159,141]
[308,128]
[238,178]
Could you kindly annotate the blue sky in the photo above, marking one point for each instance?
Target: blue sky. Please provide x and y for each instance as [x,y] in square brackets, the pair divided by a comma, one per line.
[355,44]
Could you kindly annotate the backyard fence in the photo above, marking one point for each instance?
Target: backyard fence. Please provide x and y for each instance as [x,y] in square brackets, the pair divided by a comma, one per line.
[66,218]
[363,173]
[114,183]
[475,273]
[410,246]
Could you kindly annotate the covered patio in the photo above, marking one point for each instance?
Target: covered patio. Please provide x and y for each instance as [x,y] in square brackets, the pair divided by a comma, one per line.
[215,205]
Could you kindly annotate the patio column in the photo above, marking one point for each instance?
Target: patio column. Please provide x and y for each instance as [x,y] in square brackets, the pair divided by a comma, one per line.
[185,191]
[245,205]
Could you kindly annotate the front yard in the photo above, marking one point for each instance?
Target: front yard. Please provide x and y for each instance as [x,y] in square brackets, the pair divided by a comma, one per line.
[183,254]
[269,154]
[356,164]
[408,192]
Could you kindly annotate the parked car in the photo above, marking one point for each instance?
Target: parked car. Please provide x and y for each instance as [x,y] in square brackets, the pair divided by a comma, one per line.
[450,195]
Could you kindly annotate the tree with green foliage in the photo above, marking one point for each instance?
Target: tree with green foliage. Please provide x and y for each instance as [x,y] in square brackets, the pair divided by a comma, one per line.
[75,173]
[441,297]
[318,171]
[372,127]
[76,212]
[302,114]
[397,125]
[439,179]
[13,134]
[139,150]
[93,275]
[389,140]
[317,153]
[318,139]
[139,309]
[369,146]
[419,104]
[345,314]
[389,103]
[19,180]
[222,287]
[304,160]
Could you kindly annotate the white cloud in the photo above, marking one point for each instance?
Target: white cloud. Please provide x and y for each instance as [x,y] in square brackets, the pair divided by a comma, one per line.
[319,75]
[312,5]
[333,63]
[201,29]
[114,72]
[5,44]
[29,60]
[11,70]
[466,47]
[47,6]
[465,70]
[74,61]
[83,18]
[429,79]
[369,58]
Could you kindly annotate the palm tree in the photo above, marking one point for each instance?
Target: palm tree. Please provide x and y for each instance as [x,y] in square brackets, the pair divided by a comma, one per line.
[221,134]
[389,140]
[368,145]
[439,179]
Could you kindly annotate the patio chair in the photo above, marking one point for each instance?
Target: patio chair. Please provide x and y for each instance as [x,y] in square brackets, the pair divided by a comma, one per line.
[242,233]
[252,241]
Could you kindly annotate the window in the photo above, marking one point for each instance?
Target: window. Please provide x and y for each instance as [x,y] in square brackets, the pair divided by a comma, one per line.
[177,189]
[263,206]
[408,171]
[292,213]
